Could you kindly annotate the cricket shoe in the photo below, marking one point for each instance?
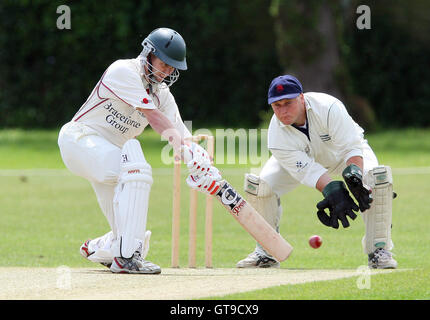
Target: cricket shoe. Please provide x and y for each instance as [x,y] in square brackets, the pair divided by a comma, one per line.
[258,260]
[382,259]
[85,252]
[135,264]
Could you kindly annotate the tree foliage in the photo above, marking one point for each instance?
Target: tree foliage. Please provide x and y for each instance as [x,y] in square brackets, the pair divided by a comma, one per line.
[234,49]
[47,73]
[387,62]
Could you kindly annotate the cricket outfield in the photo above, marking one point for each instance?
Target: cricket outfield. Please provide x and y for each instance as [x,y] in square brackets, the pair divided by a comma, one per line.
[47,213]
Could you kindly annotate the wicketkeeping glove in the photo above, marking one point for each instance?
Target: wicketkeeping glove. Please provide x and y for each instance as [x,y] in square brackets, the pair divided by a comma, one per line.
[353,177]
[339,203]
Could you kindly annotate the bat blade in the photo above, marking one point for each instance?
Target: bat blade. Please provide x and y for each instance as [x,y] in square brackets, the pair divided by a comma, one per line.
[253,222]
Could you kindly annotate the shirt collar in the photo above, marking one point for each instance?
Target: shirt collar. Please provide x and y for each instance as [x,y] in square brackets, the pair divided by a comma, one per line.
[307,104]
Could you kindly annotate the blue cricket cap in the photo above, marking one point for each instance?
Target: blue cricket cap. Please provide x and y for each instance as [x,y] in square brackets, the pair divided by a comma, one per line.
[284,87]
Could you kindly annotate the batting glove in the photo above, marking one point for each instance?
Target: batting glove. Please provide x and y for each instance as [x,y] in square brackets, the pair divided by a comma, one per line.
[196,158]
[207,183]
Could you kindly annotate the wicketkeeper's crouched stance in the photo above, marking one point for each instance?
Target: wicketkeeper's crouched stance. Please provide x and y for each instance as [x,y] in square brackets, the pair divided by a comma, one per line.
[311,137]
[99,144]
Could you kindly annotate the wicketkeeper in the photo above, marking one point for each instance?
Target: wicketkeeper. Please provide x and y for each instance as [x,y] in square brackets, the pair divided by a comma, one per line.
[99,144]
[312,137]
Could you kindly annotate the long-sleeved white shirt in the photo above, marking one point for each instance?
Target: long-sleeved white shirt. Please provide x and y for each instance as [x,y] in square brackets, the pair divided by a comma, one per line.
[111,107]
[334,137]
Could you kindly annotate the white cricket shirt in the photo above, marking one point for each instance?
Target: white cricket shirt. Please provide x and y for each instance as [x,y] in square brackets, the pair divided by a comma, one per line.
[334,137]
[111,107]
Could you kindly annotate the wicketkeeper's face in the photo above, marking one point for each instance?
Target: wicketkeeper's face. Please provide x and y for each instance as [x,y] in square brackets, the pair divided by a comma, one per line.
[290,111]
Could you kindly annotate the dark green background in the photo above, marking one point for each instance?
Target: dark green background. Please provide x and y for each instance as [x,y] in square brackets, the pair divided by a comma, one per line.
[235,48]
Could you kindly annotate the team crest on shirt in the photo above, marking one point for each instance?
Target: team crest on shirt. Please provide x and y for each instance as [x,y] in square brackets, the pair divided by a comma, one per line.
[325,137]
[300,165]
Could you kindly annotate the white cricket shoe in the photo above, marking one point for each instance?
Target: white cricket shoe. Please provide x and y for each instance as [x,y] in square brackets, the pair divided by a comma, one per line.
[258,260]
[86,252]
[100,249]
[135,264]
[382,259]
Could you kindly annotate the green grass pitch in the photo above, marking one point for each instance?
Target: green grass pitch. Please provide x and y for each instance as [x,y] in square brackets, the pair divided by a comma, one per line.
[46,214]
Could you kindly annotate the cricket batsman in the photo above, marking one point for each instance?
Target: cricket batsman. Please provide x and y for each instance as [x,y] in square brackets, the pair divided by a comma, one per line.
[313,138]
[100,144]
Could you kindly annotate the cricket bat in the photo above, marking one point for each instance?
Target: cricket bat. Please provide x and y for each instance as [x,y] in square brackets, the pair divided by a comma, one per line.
[253,222]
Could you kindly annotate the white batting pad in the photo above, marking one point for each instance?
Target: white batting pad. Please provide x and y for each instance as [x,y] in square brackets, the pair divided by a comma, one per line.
[261,197]
[378,218]
[132,198]
[145,248]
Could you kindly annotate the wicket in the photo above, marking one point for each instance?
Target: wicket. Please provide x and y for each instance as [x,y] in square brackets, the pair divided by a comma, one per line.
[192,214]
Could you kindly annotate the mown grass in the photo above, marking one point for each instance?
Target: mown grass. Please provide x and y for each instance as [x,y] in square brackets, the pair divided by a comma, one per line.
[47,214]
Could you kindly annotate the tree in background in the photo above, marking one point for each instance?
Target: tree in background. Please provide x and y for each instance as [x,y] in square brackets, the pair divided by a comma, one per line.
[376,72]
[309,45]
[46,73]
[235,48]
[387,63]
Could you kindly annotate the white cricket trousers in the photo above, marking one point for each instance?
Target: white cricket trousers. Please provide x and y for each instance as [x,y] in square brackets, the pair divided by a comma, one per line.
[282,182]
[89,155]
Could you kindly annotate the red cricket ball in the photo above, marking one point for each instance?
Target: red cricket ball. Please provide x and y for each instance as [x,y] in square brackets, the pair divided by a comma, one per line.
[315,241]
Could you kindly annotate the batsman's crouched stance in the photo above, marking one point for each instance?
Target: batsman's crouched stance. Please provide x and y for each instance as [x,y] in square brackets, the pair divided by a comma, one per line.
[312,138]
[100,145]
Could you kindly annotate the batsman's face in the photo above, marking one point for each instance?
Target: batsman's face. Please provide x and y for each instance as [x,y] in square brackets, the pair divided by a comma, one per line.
[160,70]
[290,111]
